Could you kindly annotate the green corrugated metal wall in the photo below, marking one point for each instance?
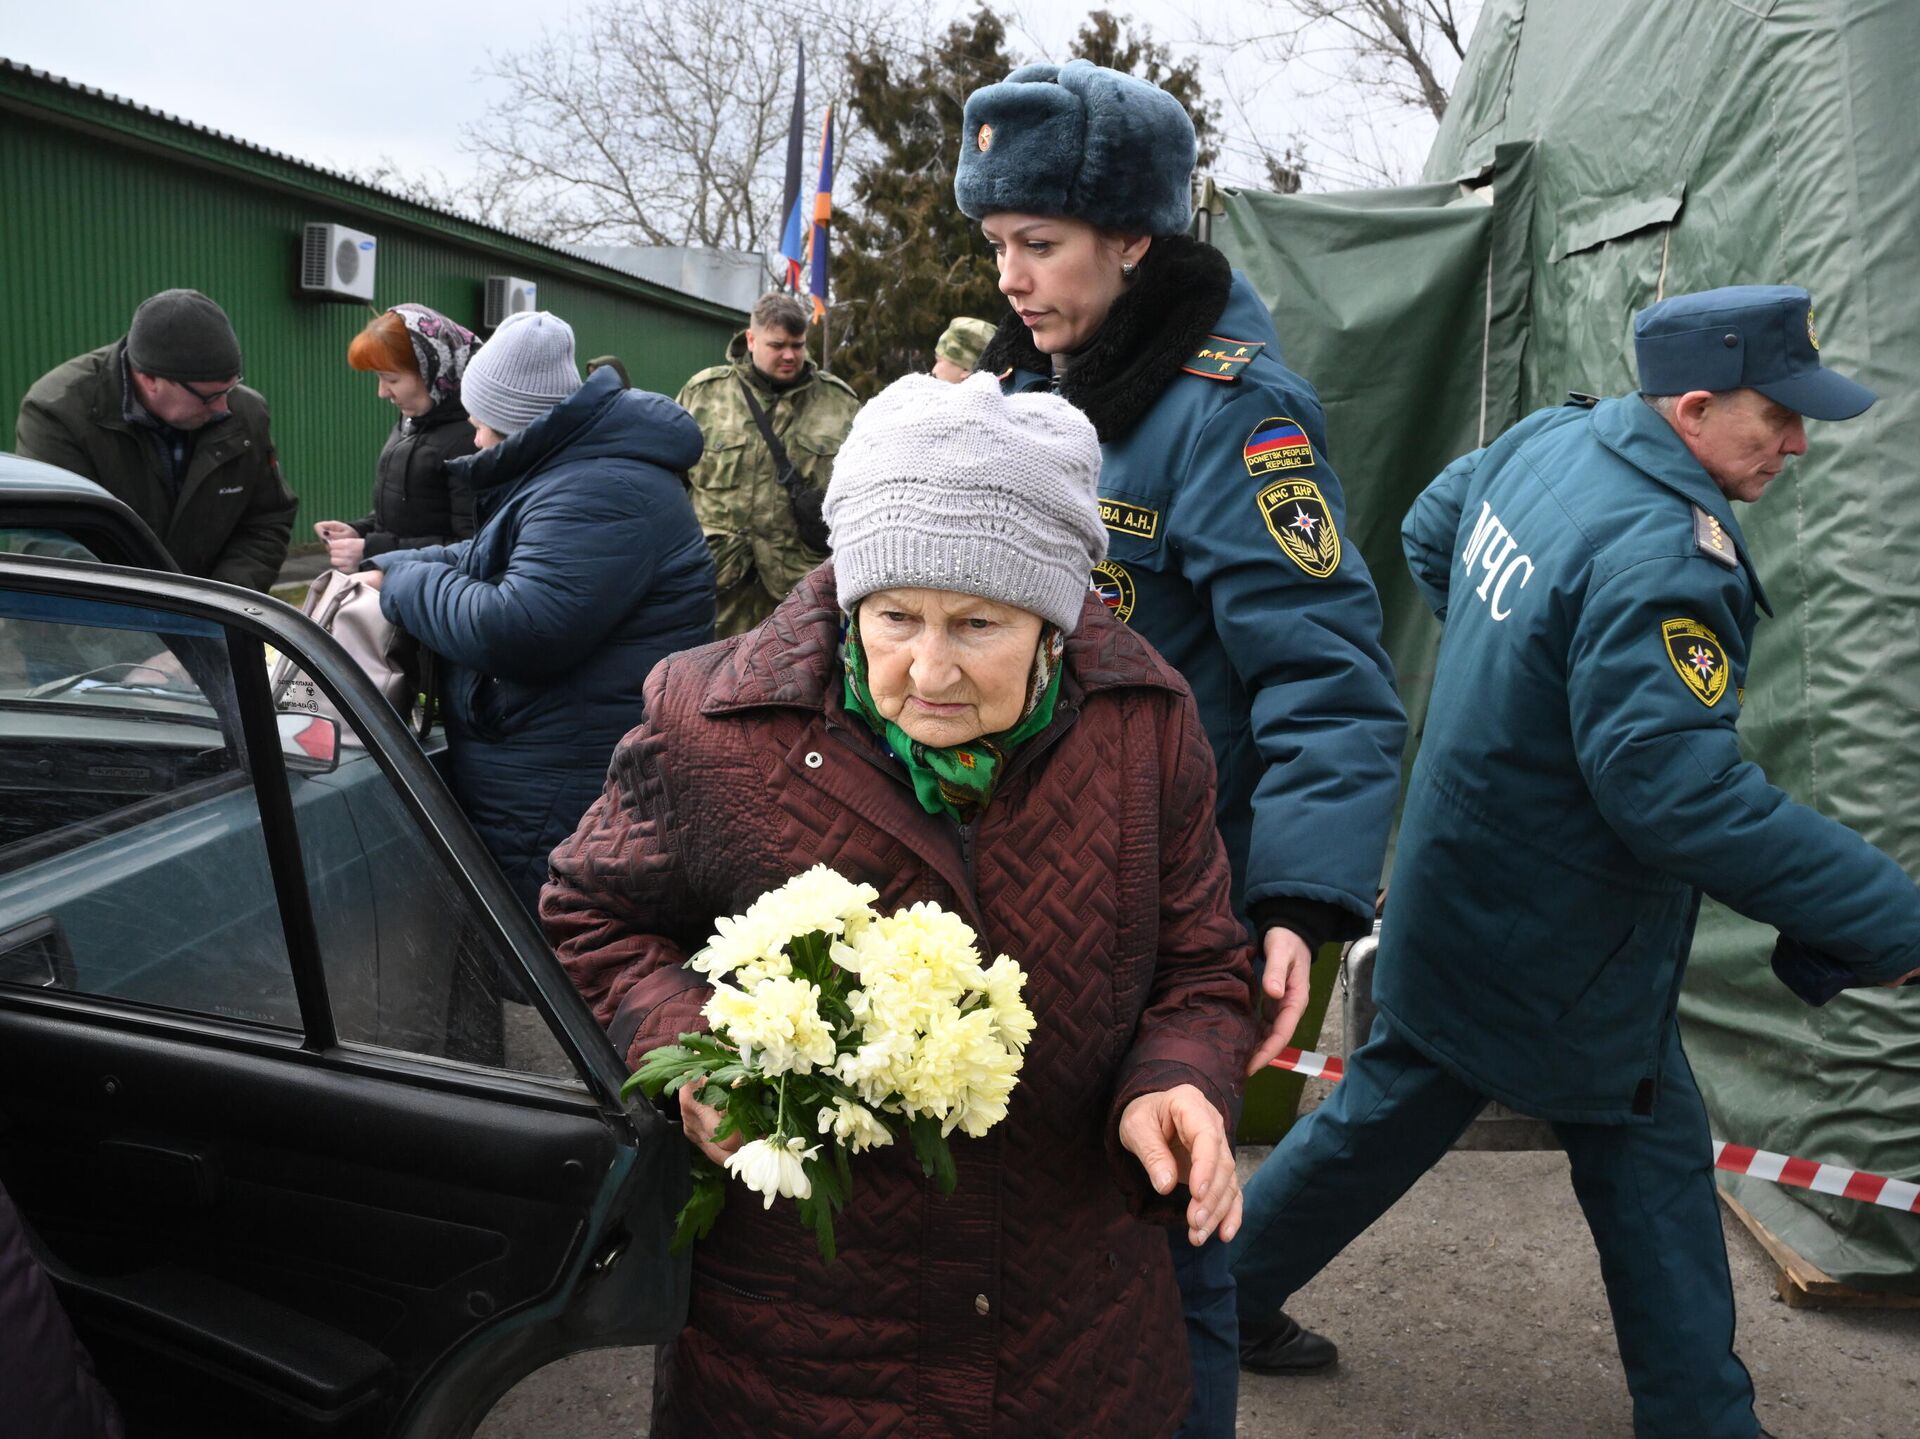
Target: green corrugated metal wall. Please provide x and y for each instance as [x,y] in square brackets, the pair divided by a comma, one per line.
[102,204]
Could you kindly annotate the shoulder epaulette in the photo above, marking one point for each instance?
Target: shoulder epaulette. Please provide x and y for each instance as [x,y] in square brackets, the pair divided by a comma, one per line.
[1223,359]
[1712,540]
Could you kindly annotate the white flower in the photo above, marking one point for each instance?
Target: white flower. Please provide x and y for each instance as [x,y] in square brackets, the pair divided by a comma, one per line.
[779,1018]
[774,1168]
[854,1125]
[745,944]
[1012,1020]
[820,900]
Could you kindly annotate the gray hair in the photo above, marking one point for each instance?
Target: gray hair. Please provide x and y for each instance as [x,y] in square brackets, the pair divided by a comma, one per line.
[1663,405]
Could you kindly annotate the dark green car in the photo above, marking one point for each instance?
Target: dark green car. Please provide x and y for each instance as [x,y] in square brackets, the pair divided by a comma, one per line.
[311,1130]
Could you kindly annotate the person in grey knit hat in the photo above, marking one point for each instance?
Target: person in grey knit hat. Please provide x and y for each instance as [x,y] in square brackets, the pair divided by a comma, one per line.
[522,372]
[962,488]
[945,711]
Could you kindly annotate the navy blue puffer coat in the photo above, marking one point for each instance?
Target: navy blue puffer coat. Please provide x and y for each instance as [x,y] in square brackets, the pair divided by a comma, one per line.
[587,569]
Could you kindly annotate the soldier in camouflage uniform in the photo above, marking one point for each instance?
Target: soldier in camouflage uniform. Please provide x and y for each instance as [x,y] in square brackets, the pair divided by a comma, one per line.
[747,513]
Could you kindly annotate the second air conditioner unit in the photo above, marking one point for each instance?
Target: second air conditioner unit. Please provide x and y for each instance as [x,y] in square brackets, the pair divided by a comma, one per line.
[337,262]
[507,296]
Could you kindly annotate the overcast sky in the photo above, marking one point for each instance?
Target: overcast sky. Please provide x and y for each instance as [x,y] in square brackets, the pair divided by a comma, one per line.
[345,85]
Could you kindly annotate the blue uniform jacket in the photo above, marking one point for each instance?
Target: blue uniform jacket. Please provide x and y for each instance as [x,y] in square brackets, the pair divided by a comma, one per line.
[588,568]
[1580,783]
[1226,549]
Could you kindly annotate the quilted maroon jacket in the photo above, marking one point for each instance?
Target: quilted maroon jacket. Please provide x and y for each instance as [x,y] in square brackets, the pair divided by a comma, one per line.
[1033,1300]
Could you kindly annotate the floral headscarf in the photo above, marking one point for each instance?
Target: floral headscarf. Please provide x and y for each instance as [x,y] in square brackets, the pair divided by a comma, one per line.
[441,349]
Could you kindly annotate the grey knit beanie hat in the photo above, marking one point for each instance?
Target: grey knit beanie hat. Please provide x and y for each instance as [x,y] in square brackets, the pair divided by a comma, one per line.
[522,372]
[959,487]
[182,335]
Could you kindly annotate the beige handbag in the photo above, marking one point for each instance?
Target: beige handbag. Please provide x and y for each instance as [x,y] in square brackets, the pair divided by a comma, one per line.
[348,608]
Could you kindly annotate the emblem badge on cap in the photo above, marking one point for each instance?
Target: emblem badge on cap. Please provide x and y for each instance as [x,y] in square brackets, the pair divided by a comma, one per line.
[1813,337]
[984,139]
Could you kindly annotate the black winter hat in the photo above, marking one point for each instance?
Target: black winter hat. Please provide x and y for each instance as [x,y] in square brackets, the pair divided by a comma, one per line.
[182,335]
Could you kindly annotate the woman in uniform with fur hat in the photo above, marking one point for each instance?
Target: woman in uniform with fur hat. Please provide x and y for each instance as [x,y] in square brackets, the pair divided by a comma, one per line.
[1226,543]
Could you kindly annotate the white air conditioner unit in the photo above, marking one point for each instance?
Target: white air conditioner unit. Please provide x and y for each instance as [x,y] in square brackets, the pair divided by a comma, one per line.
[337,261]
[508,296]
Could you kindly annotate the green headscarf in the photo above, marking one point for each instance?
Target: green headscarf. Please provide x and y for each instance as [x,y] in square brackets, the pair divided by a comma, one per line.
[958,779]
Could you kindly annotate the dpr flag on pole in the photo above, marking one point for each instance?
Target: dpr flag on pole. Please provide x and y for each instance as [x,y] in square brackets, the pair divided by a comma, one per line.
[793,238]
[822,218]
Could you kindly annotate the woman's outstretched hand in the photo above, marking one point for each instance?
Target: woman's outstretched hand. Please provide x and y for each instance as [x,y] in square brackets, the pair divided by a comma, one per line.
[1179,1138]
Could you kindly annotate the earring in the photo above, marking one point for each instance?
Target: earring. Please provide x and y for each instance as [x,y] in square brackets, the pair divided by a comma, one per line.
[1128,269]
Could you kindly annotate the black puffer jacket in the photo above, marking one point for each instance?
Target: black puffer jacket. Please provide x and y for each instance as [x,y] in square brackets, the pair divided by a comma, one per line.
[416,500]
[47,1388]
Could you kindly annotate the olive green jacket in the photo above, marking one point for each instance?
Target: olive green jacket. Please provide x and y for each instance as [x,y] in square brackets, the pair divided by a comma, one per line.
[234,513]
[745,513]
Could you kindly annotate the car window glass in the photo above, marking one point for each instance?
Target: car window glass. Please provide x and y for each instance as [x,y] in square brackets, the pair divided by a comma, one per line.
[412,963]
[30,540]
[132,862]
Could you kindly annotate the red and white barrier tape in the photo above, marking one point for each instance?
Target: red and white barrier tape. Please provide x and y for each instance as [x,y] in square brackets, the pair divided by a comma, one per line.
[1898,1194]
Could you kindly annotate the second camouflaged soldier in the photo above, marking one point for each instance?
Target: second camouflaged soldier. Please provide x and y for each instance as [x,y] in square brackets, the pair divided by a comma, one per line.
[773,422]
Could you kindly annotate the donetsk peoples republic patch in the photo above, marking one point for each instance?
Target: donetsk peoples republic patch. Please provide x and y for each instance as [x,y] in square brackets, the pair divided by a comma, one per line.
[1277,444]
[1301,523]
[1698,657]
[1114,586]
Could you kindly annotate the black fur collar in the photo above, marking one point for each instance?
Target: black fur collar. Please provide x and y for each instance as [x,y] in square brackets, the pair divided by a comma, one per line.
[1152,330]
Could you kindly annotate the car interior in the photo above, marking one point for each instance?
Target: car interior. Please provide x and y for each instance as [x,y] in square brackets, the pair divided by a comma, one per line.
[295,1156]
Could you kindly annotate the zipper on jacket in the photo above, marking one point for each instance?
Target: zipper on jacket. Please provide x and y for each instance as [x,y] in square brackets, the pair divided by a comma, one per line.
[969,833]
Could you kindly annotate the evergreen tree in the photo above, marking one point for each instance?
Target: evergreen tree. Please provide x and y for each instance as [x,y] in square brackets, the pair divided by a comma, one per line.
[906,260]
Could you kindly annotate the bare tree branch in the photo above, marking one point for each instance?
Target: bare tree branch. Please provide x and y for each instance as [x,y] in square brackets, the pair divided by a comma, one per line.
[664,122]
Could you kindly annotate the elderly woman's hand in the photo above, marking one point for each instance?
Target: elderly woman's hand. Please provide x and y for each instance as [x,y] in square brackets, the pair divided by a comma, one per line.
[1179,1137]
[700,1120]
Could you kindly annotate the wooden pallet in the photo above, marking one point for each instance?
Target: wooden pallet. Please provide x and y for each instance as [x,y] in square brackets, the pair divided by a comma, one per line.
[1802,1284]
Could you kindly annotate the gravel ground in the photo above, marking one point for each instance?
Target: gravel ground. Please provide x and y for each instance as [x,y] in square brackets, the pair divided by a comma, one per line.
[1473,1310]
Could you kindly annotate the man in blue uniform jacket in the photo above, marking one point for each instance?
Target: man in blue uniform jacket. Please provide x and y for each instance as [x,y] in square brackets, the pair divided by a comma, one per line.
[1579,787]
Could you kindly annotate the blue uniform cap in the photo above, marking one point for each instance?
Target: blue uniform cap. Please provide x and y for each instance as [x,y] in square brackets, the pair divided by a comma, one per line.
[1078,140]
[1752,337]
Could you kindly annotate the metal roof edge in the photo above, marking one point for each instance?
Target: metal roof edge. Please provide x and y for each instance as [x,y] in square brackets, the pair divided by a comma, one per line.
[67,101]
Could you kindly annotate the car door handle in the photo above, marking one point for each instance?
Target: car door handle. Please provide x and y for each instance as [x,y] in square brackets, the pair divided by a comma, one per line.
[160,1173]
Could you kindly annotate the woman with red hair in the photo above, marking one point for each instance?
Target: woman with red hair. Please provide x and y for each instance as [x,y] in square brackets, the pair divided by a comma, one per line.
[419,355]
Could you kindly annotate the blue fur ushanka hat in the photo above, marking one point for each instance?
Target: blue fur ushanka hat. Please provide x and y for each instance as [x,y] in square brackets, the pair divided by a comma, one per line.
[1082,141]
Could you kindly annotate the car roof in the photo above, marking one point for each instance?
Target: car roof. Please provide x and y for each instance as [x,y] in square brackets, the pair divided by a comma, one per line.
[32,492]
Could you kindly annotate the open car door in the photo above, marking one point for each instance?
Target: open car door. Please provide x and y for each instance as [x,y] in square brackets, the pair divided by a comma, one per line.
[309,1126]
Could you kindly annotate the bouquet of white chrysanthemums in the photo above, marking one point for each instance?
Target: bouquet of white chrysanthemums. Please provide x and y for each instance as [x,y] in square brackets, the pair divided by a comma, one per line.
[835,1029]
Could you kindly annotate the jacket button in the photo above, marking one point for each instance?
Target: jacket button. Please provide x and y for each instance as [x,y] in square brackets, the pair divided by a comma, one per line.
[981,1304]
[1730,340]
[813,761]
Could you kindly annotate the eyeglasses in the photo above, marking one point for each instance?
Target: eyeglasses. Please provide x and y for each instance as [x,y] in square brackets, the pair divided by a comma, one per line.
[216,397]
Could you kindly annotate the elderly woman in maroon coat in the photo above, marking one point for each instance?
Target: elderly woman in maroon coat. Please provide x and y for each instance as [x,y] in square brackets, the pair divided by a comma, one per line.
[944,712]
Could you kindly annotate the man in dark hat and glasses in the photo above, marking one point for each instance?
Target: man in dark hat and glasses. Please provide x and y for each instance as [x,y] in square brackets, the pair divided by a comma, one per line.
[160,420]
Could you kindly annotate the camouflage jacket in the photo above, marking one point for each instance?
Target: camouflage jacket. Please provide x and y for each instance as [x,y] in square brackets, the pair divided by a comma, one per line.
[748,520]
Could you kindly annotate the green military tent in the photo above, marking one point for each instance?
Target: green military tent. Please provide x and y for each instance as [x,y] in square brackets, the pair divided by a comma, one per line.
[1594,159]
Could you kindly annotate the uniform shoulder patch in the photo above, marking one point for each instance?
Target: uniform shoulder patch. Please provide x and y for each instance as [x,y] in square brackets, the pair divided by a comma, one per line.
[1712,540]
[1223,359]
[1698,658]
[1277,443]
[1301,523]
